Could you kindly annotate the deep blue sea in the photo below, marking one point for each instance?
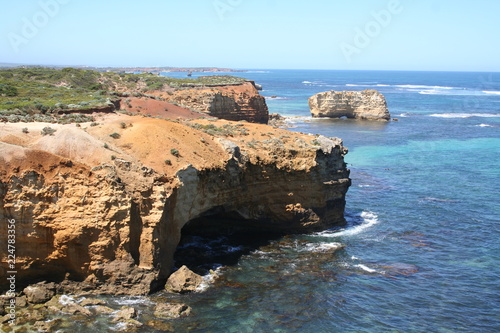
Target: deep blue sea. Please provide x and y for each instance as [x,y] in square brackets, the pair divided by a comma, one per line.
[422,240]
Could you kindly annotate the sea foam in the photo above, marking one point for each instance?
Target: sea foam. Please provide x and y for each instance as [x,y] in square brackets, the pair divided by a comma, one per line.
[465,115]
[368,219]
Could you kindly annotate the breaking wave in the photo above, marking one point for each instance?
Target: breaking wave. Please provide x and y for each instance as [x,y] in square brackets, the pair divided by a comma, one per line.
[356,224]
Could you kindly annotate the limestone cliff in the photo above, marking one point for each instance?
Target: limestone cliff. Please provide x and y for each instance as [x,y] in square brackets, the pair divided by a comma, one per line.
[367,104]
[107,212]
[231,102]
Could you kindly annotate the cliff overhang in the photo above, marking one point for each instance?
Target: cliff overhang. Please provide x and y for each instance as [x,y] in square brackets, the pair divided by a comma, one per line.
[104,215]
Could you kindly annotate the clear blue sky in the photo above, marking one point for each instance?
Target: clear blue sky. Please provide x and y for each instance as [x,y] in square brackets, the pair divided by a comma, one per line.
[458,35]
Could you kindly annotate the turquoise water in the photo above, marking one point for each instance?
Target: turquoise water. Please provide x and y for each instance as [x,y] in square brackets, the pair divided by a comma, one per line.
[422,243]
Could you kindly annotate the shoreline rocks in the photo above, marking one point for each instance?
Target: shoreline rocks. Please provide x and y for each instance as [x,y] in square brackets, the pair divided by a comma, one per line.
[365,105]
[183,281]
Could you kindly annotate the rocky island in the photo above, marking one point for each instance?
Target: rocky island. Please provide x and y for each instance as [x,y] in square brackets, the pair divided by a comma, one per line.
[101,185]
[366,105]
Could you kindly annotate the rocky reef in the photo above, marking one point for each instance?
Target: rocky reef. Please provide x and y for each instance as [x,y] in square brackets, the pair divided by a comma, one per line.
[367,105]
[100,208]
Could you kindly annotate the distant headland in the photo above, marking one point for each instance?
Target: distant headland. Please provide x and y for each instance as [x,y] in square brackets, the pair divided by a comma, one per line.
[135,68]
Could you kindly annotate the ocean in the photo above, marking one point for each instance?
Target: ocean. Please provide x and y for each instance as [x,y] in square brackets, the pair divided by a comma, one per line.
[422,240]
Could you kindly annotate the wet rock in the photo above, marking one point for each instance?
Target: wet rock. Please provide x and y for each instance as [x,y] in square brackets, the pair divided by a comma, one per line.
[125,314]
[160,325]
[103,309]
[183,281]
[73,308]
[46,326]
[172,311]
[40,293]
[30,315]
[92,301]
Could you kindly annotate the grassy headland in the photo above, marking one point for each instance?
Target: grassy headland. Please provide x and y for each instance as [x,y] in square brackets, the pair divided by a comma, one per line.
[47,94]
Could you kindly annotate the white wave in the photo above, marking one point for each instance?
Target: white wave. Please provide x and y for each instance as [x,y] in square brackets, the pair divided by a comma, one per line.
[383,85]
[307,82]
[257,72]
[465,115]
[407,114]
[416,86]
[275,98]
[484,125]
[362,185]
[369,219]
[491,92]
[355,85]
[208,280]
[231,249]
[134,300]
[322,247]
[66,300]
[366,268]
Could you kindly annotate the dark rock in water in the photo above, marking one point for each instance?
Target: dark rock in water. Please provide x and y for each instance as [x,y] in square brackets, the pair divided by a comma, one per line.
[183,281]
[125,314]
[40,293]
[160,325]
[172,311]
[400,269]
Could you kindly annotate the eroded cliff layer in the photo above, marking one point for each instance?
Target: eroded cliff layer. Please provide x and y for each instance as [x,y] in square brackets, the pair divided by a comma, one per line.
[231,102]
[107,210]
[367,104]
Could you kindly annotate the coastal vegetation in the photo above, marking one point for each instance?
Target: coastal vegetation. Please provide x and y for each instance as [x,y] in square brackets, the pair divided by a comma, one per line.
[56,95]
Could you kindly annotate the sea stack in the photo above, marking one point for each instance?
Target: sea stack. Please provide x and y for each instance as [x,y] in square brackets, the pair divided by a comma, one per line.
[366,105]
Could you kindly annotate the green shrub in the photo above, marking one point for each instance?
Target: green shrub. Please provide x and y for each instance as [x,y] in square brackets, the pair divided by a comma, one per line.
[174,152]
[25,130]
[115,135]
[48,131]
[8,90]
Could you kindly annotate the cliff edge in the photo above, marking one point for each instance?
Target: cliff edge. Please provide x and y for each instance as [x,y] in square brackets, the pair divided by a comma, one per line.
[100,207]
[367,105]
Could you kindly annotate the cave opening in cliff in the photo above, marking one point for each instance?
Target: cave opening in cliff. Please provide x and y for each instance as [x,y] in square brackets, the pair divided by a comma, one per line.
[219,239]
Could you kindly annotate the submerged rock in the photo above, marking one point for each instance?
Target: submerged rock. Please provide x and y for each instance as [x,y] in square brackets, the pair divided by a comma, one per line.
[125,314]
[172,310]
[367,104]
[183,281]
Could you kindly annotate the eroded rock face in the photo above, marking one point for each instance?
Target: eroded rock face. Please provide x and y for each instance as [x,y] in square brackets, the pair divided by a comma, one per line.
[367,104]
[111,225]
[230,102]
[183,281]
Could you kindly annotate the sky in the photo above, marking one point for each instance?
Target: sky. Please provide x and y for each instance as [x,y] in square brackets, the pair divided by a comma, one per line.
[433,35]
